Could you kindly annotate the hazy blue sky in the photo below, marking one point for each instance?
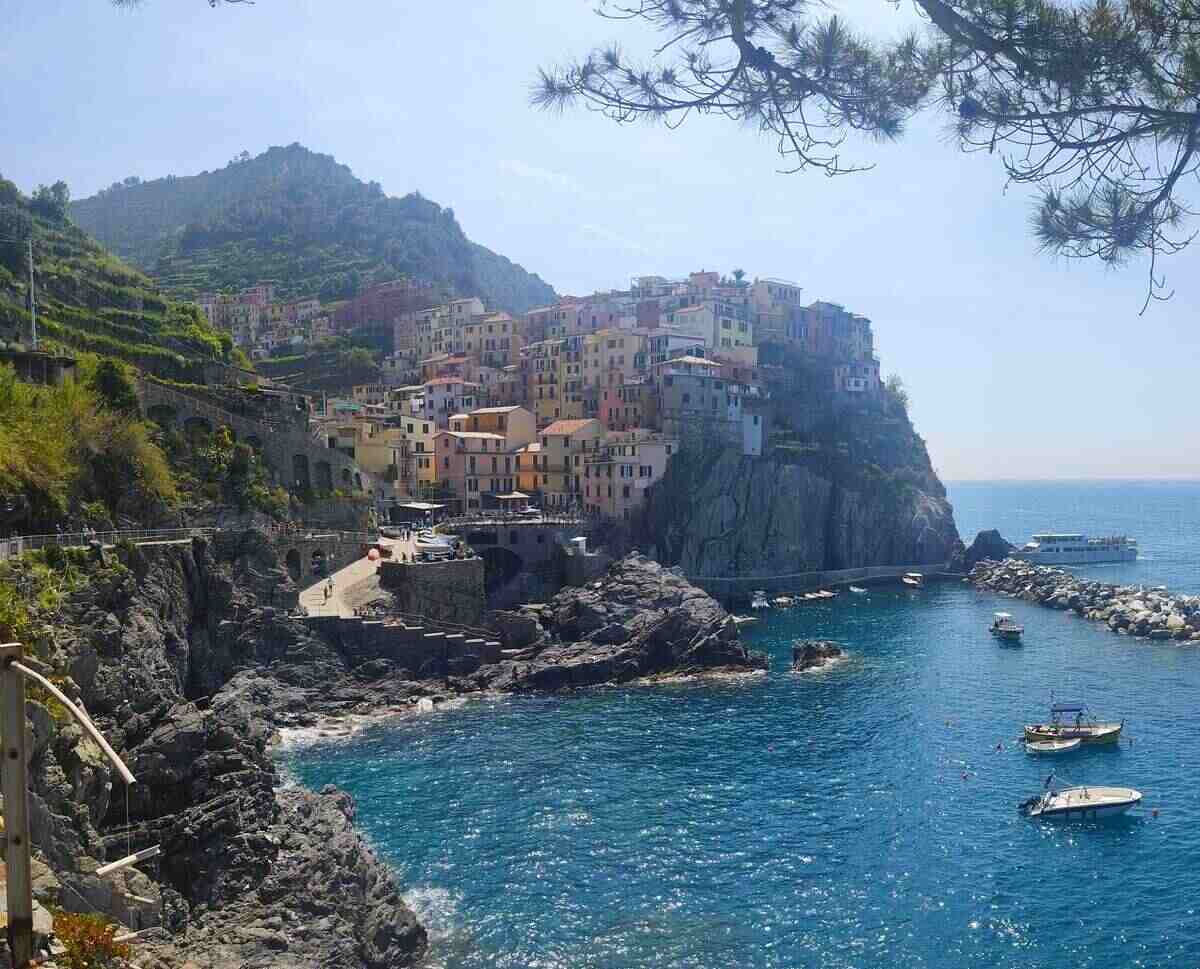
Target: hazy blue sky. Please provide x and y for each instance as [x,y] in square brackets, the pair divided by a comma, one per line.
[1018,366]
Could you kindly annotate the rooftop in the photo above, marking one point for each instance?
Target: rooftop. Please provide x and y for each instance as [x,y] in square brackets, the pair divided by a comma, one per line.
[571,426]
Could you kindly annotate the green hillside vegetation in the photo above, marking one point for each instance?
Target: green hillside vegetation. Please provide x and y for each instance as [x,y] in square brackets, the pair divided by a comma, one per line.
[90,301]
[301,220]
[79,451]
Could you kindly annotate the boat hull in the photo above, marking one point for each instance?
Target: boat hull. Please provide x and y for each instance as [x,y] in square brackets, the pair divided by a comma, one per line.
[1096,733]
[1052,746]
[1008,635]
[1083,804]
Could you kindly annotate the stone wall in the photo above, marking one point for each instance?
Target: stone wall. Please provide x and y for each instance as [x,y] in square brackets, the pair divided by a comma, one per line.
[453,591]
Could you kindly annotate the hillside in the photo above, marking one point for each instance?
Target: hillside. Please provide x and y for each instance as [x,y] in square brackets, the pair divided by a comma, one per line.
[91,301]
[298,218]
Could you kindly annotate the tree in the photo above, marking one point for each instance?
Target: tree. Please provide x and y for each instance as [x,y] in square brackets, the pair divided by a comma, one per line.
[1096,103]
[52,201]
[115,388]
[896,392]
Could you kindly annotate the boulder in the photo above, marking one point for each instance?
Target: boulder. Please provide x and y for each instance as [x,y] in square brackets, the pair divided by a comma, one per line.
[813,653]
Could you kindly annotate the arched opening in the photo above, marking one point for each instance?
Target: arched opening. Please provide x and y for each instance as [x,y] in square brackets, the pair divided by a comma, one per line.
[500,566]
[357,481]
[345,476]
[301,481]
[197,427]
[292,560]
[164,415]
[324,476]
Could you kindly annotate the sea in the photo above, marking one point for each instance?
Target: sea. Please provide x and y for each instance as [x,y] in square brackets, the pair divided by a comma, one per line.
[864,815]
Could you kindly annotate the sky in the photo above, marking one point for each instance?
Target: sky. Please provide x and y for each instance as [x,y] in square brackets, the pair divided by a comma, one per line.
[1018,365]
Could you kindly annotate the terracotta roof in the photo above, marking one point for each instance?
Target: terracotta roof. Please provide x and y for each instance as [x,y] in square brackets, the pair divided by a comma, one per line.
[570,427]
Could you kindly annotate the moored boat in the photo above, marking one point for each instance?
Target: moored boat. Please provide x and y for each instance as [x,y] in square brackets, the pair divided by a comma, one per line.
[914,580]
[782,601]
[759,601]
[858,590]
[1087,730]
[1081,803]
[1005,627]
[1052,746]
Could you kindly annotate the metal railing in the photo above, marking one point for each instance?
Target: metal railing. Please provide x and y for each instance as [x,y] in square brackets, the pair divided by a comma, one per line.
[18,545]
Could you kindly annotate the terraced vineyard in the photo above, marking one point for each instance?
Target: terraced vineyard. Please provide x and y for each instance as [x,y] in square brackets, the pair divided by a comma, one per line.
[89,300]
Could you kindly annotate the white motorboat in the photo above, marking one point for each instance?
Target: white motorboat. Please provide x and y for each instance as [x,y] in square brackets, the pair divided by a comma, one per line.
[782,602]
[759,600]
[914,580]
[1005,627]
[1052,746]
[1082,803]
[742,620]
[858,590]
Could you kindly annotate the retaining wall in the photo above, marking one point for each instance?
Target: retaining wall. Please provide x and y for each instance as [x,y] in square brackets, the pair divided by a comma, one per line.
[451,590]
[423,652]
[728,588]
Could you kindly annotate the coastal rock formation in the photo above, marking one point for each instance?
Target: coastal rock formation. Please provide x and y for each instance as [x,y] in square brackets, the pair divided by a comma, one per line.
[1128,610]
[187,675]
[722,514]
[811,654]
[640,619]
[988,545]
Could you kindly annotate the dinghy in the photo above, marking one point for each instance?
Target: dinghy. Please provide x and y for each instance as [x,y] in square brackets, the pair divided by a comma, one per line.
[1052,746]
[858,590]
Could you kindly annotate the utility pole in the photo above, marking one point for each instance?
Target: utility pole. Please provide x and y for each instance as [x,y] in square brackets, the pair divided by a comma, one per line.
[32,299]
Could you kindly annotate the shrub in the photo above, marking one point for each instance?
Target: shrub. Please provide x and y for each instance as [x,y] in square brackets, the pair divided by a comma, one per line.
[88,942]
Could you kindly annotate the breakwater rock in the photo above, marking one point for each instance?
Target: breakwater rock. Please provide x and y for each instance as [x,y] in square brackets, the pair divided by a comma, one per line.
[1128,610]
[640,619]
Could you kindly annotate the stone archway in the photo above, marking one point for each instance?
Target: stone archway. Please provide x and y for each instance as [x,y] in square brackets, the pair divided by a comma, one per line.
[196,426]
[301,480]
[292,561]
[345,476]
[164,415]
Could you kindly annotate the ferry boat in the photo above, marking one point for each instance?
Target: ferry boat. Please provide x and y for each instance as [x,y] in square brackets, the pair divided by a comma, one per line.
[1070,548]
[1088,731]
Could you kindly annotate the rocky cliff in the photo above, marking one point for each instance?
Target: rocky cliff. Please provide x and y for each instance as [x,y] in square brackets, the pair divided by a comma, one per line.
[861,493]
[164,647]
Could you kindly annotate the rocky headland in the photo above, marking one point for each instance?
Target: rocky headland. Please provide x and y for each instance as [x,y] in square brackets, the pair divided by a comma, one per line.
[188,668]
[1128,610]
[858,491]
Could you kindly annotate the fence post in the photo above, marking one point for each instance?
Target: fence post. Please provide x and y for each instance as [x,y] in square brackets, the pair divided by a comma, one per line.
[16,807]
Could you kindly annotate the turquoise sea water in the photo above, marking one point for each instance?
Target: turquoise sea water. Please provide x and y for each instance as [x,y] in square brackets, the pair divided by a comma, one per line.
[855,817]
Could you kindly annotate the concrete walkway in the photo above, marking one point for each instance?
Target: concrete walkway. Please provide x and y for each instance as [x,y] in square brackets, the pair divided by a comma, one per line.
[340,602]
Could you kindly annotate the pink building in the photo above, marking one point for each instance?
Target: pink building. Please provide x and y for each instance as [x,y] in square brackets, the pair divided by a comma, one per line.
[621,467]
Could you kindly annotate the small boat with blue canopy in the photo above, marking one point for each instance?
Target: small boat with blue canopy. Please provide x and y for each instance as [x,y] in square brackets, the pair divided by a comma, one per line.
[1071,721]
